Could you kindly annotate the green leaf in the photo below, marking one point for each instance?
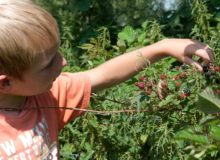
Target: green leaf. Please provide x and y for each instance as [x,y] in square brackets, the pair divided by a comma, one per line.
[139,99]
[171,85]
[128,34]
[200,154]
[121,45]
[208,102]
[89,153]
[141,37]
[190,135]
[93,123]
[166,101]
[143,138]
[144,25]
[215,132]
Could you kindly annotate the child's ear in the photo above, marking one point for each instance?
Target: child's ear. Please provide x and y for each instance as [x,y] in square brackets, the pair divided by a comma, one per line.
[5,84]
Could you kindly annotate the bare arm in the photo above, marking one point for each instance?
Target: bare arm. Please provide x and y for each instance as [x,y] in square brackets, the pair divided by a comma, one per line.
[127,65]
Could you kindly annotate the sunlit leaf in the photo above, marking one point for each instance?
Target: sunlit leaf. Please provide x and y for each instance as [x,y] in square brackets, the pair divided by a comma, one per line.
[209,102]
[128,34]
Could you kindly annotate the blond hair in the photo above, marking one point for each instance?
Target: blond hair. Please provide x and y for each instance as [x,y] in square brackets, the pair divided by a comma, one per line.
[26,30]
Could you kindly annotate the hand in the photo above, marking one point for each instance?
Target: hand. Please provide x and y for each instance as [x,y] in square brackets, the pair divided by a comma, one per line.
[184,49]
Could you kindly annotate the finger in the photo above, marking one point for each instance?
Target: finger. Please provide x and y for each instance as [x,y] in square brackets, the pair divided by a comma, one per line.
[206,53]
[210,51]
[193,63]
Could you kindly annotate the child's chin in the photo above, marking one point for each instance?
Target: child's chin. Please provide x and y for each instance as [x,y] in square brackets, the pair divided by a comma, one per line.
[49,86]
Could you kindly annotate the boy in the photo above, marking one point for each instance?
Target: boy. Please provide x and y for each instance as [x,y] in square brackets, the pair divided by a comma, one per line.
[31,79]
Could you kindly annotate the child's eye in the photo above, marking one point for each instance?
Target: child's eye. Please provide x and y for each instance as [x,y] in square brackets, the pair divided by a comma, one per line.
[50,64]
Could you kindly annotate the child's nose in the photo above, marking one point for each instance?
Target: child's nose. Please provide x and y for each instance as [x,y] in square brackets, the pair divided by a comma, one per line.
[64,62]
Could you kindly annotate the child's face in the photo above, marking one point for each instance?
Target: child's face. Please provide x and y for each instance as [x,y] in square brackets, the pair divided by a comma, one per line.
[40,77]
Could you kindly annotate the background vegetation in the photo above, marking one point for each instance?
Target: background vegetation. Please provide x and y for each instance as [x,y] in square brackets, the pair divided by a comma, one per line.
[157,114]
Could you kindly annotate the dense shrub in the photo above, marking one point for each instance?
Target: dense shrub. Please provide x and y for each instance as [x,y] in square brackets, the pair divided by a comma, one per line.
[136,120]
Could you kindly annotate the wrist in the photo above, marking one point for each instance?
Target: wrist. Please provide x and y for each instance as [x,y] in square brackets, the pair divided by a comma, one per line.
[164,47]
[159,50]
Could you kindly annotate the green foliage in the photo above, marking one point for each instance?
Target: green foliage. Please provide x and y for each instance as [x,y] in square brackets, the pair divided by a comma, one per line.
[202,28]
[97,49]
[202,140]
[154,122]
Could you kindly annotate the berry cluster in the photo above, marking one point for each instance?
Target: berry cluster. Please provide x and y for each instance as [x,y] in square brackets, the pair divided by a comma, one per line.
[178,81]
[212,75]
[211,72]
[169,83]
[145,85]
[185,93]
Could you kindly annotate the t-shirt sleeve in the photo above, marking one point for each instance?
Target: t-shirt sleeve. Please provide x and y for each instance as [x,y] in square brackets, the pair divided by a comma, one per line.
[71,91]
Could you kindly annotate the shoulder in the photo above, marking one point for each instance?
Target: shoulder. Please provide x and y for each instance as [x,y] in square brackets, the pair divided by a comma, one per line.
[67,79]
[71,84]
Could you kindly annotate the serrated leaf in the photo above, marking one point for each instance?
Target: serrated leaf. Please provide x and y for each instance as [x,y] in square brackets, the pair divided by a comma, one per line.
[171,85]
[208,102]
[128,34]
[167,100]
[183,85]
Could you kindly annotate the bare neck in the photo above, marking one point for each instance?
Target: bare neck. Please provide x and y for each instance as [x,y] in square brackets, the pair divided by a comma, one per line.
[11,102]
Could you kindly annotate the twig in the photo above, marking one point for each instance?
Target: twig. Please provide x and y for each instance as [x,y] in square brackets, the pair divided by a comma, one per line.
[80,109]
[108,99]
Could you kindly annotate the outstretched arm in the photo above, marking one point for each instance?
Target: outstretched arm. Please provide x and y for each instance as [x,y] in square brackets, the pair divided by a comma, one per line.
[127,65]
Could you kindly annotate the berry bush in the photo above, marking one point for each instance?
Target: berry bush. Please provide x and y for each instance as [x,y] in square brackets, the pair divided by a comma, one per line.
[169,111]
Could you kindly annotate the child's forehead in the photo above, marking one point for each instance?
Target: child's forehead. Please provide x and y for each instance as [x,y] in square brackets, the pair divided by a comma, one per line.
[42,57]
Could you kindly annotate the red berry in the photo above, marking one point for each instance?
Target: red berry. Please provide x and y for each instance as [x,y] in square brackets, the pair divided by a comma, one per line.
[162,76]
[176,77]
[178,84]
[182,75]
[177,68]
[142,78]
[140,85]
[216,68]
[182,95]
[217,91]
